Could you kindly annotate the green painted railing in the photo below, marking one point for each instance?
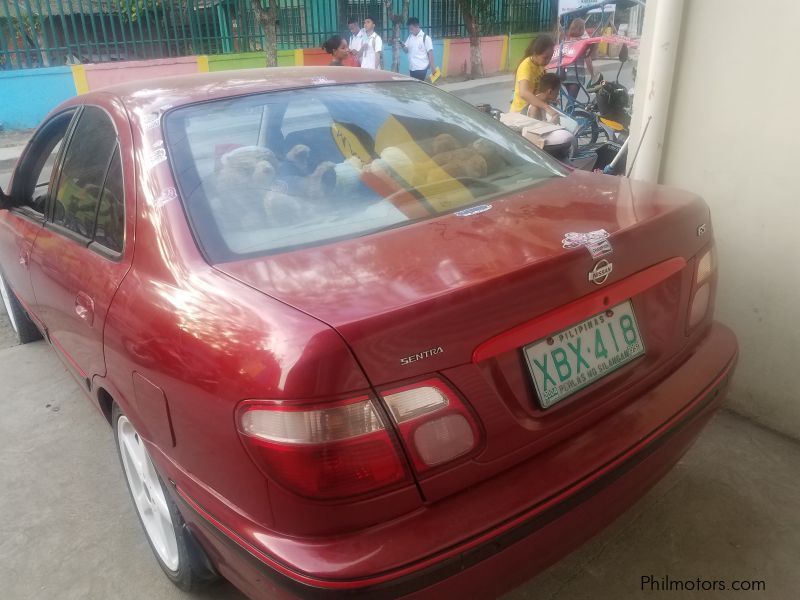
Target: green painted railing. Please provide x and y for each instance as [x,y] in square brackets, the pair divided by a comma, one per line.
[38,33]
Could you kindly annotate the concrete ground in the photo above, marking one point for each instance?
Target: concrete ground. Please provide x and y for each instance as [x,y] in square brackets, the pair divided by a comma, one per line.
[729,511]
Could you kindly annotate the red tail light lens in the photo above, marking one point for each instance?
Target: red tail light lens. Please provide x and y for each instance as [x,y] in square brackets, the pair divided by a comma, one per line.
[331,450]
[434,423]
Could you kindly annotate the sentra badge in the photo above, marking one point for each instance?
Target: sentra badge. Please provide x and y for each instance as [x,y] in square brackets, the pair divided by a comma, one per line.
[421,355]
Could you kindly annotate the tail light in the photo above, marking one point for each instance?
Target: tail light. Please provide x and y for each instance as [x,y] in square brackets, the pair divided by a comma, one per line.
[435,425]
[330,450]
[705,267]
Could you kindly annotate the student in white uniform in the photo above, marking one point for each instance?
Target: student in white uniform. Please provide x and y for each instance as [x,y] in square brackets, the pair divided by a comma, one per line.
[419,48]
[357,39]
[372,49]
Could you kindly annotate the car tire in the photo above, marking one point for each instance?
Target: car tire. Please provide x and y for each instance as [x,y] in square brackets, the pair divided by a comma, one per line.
[22,325]
[177,552]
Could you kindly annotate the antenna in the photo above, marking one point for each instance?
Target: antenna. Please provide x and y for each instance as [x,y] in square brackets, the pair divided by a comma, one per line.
[641,139]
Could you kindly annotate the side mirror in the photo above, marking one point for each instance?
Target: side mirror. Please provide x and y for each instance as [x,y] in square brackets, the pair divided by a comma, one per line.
[623,53]
[5,201]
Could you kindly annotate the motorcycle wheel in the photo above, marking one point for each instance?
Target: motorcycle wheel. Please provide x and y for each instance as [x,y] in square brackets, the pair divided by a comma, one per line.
[588,131]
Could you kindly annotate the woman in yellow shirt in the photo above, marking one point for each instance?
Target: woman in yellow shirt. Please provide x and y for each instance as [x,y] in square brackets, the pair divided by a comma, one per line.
[529,72]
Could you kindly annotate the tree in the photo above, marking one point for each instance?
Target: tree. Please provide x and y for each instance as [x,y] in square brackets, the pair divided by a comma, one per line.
[476,12]
[397,22]
[131,9]
[268,19]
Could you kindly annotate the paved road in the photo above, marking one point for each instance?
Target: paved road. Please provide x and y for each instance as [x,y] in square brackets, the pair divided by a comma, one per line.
[6,333]
[5,175]
[499,94]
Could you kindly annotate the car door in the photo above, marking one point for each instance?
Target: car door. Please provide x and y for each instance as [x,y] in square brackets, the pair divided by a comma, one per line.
[29,191]
[79,257]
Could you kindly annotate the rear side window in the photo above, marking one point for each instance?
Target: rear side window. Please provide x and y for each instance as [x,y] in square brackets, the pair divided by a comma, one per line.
[110,228]
[85,165]
[282,170]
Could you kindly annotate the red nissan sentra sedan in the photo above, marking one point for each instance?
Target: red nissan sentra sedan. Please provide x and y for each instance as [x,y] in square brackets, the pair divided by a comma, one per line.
[356,337]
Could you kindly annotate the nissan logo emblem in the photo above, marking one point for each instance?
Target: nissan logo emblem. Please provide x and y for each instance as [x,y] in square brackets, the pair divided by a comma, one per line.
[601,272]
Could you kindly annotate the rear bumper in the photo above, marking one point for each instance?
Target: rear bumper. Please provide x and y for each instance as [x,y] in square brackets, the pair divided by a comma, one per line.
[512,552]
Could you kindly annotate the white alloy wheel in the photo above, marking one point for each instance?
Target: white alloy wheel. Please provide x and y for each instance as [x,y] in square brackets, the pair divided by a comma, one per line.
[6,294]
[148,494]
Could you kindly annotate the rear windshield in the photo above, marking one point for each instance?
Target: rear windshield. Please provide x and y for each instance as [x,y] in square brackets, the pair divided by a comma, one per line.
[281,170]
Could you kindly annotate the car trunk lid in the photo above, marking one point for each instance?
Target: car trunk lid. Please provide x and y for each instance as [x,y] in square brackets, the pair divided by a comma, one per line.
[422,298]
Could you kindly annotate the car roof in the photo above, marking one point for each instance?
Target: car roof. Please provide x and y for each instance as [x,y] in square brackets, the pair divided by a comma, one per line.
[159,94]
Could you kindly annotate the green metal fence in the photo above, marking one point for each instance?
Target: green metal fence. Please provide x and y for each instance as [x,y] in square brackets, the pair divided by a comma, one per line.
[499,17]
[39,33]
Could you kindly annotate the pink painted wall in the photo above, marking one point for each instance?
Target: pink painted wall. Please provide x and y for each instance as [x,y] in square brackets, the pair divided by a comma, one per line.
[491,49]
[105,74]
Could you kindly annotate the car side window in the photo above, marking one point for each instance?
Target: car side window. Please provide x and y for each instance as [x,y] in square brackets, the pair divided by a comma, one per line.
[110,228]
[32,181]
[84,169]
[43,180]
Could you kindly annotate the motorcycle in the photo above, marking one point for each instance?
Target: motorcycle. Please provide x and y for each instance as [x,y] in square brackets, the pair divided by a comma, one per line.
[612,103]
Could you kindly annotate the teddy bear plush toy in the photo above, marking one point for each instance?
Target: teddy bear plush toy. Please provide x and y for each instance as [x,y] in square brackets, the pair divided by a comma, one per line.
[489,152]
[302,192]
[253,189]
[455,160]
[243,176]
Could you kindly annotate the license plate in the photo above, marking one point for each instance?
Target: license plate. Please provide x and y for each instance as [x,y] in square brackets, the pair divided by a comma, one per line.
[569,360]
